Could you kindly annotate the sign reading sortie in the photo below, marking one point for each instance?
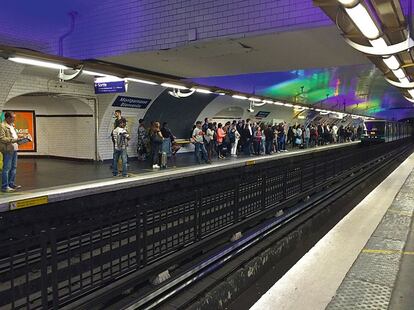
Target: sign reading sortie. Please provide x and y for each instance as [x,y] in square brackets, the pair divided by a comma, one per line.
[110,84]
[110,87]
[131,102]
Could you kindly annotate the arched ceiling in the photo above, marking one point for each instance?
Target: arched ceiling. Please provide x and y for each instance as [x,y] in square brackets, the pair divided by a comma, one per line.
[361,89]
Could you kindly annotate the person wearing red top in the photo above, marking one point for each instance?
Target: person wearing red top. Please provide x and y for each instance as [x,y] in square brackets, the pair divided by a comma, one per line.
[220,137]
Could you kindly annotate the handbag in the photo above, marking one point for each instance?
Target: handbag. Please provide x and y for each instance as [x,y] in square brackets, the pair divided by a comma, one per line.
[298,141]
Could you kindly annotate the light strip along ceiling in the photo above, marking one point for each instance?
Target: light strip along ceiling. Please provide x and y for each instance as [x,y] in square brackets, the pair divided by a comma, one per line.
[379,29]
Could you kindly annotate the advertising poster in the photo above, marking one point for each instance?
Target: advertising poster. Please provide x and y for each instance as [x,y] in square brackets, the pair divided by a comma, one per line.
[25,123]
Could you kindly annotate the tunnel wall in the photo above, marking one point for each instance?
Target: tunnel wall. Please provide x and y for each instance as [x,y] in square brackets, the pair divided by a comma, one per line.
[64,126]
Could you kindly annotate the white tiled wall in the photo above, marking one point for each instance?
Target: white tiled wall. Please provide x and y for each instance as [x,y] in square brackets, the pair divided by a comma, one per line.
[66,137]
[70,136]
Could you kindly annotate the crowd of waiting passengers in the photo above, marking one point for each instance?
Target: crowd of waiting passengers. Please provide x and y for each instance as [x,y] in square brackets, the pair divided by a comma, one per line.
[157,143]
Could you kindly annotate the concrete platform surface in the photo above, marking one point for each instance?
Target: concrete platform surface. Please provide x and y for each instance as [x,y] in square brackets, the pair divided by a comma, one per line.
[63,179]
[313,281]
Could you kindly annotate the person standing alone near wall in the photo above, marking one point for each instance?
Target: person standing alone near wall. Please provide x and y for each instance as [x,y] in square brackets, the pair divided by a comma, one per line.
[9,145]
[121,138]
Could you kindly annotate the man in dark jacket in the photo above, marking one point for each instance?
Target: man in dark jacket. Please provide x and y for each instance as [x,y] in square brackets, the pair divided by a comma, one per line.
[270,136]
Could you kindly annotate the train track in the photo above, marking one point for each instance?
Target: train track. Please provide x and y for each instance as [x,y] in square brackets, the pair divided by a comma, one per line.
[280,226]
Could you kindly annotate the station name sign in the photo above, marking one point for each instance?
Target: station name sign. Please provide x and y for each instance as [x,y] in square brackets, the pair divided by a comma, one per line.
[131,102]
[108,86]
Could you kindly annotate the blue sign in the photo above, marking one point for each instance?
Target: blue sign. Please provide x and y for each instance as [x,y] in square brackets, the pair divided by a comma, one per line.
[110,87]
[262,114]
[131,102]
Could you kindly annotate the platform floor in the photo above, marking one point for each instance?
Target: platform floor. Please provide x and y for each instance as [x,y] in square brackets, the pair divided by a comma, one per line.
[42,174]
[365,262]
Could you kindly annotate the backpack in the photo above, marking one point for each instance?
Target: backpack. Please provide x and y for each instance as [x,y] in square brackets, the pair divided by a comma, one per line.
[232,136]
[215,135]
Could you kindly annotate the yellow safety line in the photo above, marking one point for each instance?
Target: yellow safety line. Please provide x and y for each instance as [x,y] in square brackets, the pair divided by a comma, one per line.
[404,213]
[371,251]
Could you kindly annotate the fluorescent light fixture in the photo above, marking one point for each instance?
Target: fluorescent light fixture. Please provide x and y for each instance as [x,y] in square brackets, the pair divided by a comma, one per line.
[404,80]
[93,73]
[392,62]
[38,63]
[221,93]
[254,99]
[203,91]
[324,112]
[379,43]
[267,101]
[278,103]
[319,110]
[288,105]
[348,3]
[411,92]
[108,78]
[141,81]
[363,21]
[399,73]
[409,99]
[239,97]
[171,85]
[298,108]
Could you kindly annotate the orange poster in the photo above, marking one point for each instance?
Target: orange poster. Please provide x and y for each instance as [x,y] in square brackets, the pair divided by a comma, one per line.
[25,123]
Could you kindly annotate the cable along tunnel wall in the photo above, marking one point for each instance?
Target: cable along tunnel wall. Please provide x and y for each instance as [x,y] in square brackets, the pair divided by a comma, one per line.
[54,254]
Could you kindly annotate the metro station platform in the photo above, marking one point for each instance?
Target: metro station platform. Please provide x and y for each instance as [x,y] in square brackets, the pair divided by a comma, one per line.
[59,179]
[365,262]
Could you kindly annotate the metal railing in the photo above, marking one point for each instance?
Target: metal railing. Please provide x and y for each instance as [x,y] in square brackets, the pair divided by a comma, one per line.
[53,255]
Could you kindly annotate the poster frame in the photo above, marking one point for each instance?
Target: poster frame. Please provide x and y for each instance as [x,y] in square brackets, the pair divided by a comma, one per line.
[34,136]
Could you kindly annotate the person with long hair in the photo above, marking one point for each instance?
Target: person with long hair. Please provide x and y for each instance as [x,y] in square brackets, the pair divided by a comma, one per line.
[156,144]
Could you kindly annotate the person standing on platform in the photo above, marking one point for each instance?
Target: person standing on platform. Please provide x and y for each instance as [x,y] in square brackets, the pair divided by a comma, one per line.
[205,125]
[198,140]
[247,136]
[209,141]
[156,145]
[9,146]
[335,133]
[234,137]
[142,141]
[121,138]
[168,139]
[221,134]
[118,116]
[307,136]
[269,137]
